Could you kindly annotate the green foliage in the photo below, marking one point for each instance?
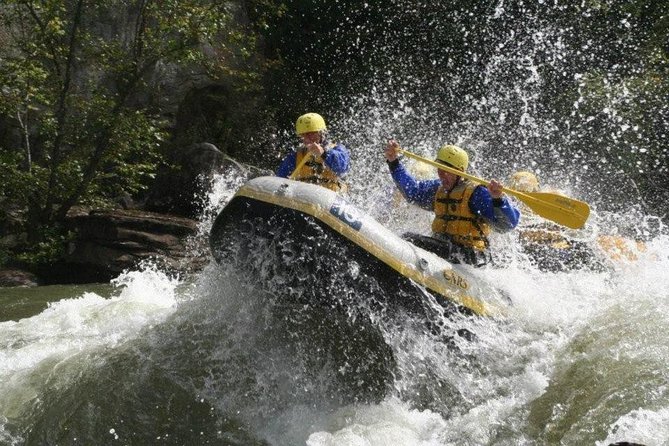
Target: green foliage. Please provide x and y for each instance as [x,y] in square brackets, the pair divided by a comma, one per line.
[81,83]
[50,248]
[16,183]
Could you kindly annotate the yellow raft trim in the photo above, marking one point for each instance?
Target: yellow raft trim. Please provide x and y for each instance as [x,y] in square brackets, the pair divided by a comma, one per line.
[474,304]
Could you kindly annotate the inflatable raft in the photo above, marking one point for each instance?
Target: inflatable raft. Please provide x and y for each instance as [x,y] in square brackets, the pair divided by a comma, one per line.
[551,248]
[303,237]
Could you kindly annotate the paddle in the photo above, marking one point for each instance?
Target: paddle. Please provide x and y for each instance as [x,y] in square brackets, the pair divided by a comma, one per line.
[555,207]
[305,158]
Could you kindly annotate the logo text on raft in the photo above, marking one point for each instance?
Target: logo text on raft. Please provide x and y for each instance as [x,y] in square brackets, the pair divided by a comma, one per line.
[455,279]
[346,213]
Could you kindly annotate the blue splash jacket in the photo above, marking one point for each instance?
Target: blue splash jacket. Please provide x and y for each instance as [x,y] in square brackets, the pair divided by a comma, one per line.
[500,214]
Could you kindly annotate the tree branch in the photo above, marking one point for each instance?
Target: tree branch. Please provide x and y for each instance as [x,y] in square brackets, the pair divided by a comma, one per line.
[62,112]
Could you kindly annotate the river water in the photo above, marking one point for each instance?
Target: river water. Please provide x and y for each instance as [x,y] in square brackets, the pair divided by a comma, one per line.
[152,359]
[581,359]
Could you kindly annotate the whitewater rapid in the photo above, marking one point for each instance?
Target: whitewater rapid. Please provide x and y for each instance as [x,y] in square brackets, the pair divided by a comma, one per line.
[580,359]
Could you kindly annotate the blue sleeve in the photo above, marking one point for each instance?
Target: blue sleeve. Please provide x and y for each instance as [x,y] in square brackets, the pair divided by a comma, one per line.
[503,218]
[337,159]
[287,165]
[420,193]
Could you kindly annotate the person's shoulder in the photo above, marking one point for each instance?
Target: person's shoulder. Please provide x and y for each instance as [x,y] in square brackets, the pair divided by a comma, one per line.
[477,188]
[340,145]
[478,192]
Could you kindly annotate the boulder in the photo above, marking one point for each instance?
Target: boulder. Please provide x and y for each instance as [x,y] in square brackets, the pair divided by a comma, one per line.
[106,243]
[10,277]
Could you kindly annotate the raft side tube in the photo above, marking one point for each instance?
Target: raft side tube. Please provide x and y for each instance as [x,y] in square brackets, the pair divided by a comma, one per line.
[383,251]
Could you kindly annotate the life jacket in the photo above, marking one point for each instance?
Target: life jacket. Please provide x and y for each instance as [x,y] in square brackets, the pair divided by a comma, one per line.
[315,171]
[453,217]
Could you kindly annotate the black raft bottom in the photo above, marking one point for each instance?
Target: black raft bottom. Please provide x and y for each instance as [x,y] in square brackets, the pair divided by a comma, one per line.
[315,262]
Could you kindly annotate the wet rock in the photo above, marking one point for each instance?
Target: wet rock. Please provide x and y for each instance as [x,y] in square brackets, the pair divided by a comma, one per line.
[17,278]
[106,243]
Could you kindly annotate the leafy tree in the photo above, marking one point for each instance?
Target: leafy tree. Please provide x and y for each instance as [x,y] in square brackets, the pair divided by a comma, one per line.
[82,83]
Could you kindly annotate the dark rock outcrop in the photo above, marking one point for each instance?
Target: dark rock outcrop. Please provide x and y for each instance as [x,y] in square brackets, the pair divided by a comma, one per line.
[179,191]
[108,242]
[10,277]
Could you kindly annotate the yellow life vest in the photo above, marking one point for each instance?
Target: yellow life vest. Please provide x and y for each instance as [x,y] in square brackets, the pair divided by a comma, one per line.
[315,171]
[453,217]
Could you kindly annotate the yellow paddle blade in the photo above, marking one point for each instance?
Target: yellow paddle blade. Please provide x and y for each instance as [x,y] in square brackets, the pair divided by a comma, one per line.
[555,207]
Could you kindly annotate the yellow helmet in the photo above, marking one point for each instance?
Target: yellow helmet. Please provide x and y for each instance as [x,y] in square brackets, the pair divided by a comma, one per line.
[524,181]
[309,122]
[454,156]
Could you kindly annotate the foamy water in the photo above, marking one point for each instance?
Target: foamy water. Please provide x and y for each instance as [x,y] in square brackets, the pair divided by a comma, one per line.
[49,349]
[581,357]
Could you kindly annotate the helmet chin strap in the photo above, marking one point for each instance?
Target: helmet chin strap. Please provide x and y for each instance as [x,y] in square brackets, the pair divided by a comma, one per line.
[457,181]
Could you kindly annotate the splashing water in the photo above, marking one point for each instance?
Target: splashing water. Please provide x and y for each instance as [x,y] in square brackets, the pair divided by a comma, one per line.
[50,350]
[220,358]
[579,359]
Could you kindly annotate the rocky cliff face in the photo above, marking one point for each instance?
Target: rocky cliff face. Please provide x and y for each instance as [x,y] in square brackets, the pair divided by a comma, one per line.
[180,191]
[107,242]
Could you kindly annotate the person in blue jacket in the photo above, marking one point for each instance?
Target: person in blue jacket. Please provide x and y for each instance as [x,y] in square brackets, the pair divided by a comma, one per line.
[464,213]
[326,162]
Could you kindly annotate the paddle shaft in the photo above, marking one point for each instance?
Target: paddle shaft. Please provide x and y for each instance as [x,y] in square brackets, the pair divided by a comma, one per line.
[455,171]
